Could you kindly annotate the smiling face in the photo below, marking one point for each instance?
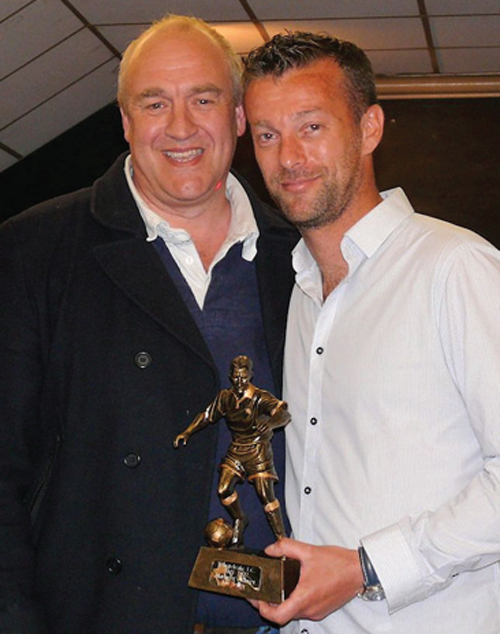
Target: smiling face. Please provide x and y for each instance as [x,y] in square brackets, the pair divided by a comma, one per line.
[180,120]
[310,148]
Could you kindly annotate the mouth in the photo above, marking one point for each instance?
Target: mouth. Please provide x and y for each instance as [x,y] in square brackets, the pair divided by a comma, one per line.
[183,156]
[298,185]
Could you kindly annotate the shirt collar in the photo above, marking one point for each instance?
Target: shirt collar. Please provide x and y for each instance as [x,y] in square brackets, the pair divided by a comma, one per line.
[243,226]
[368,234]
[359,243]
[371,231]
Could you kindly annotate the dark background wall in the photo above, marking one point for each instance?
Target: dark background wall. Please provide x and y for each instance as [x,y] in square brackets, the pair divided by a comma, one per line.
[444,153]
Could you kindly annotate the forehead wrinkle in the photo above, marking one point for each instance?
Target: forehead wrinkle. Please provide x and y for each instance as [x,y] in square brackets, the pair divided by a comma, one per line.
[305,113]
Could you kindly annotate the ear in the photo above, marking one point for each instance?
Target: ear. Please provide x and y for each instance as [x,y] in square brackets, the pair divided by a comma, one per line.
[372,126]
[125,124]
[241,120]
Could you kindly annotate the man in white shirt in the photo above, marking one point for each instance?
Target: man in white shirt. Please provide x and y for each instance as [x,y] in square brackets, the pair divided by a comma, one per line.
[392,368]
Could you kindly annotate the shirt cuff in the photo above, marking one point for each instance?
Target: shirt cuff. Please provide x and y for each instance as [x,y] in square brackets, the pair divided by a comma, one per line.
[395,566]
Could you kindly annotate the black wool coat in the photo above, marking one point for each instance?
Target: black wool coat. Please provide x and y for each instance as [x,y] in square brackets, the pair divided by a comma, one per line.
[101,366]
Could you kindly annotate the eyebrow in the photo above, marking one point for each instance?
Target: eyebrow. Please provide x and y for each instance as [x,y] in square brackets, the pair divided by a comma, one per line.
[151,93]
[148,93]
[211,88]
[295,117]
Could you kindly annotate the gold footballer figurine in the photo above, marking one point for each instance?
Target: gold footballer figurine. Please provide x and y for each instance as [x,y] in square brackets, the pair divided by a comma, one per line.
[251,415]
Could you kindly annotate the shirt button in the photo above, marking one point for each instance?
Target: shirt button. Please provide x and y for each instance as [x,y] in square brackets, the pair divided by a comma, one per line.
[307,490]
[320,350]
[132,460]
[313,421]
[189,260]
[304,631]
[143,359]
[114,565]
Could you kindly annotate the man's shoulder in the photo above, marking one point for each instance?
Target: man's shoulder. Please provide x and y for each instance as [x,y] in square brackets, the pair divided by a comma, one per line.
[441,235]
[63,214]
[46,223]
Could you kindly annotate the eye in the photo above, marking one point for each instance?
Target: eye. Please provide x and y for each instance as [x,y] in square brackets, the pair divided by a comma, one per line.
[264,138]
[313,127]
[203,102]
[155,106]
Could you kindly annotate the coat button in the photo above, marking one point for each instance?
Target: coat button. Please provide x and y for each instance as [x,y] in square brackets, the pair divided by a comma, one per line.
[143,359]
[132,460]
[114,565]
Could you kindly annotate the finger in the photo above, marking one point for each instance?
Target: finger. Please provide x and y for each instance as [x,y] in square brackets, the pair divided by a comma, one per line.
[279,614]
[282,548]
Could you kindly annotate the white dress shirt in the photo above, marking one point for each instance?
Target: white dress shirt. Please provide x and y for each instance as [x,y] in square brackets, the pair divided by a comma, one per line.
[242,228]
[393,384]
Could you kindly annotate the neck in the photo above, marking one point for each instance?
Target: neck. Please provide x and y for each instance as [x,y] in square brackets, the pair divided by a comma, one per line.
[209,231]
[324,242]
[207,224]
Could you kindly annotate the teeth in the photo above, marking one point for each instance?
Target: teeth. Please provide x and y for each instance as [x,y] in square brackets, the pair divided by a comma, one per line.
[183,157]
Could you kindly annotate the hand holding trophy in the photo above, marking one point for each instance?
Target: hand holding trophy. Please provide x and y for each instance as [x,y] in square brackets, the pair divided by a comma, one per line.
[251,415]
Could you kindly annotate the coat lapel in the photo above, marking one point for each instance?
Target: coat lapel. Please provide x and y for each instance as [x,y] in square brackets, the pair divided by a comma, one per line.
[276,278]
[134,266]
[132,263]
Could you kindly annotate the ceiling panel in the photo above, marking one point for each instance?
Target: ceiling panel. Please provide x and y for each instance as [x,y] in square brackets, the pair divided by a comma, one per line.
[126,11]
[34,30]
[72,106]
[400,62]
[472,60]
[8,7]
[321,9]
[462,7]
[466,31]
[389,33]
[58,57]
[51,73]
[120,35]
[243,37]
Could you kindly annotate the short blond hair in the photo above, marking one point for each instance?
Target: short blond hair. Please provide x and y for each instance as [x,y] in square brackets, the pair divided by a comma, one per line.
[182,23]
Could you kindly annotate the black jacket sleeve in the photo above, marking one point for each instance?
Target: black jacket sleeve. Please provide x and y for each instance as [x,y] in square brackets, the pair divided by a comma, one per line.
[20,384]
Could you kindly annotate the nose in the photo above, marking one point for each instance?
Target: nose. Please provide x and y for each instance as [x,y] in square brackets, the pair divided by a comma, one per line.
[291,152]
[180,124]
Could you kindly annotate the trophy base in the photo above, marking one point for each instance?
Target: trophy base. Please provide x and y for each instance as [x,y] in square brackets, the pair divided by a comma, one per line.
[244,573]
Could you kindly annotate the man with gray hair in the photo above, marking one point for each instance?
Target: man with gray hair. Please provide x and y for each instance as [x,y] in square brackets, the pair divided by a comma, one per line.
[123,306]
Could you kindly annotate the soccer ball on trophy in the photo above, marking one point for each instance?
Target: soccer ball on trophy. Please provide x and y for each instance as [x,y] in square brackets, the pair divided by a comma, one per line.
[218,533]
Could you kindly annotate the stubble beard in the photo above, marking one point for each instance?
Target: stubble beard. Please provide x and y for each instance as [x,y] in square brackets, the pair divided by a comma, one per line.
[331,201]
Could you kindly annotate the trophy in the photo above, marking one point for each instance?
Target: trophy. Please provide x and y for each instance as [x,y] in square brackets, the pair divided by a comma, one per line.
[226,566]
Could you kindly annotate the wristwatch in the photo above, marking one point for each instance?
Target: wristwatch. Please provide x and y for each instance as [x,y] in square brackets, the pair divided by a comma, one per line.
[372,588]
